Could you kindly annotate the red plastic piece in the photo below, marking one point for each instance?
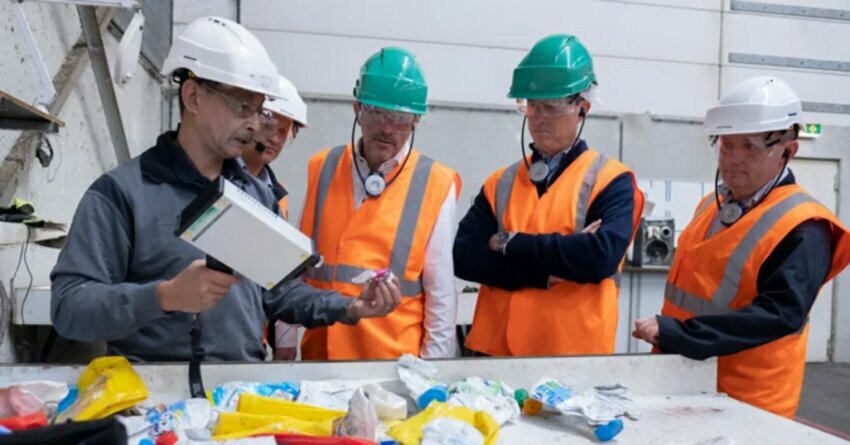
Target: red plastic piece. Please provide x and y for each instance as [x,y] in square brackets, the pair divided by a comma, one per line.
[169,438]
[25,422]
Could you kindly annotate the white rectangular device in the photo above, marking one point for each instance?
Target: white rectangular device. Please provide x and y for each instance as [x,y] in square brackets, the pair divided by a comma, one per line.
[240,234]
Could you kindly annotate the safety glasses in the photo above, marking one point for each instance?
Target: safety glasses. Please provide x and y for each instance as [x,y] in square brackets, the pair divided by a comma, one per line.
[374,116]
[242,108]
[549,107]
[753,144]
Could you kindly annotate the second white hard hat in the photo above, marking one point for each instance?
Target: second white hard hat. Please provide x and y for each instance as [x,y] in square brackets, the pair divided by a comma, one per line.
[755,105]
[288,103]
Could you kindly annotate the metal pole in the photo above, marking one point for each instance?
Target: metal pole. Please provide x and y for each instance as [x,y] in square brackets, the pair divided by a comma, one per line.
[46,91]
[97,54]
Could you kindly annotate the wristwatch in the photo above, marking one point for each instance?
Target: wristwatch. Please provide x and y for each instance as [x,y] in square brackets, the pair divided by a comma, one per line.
[502,240]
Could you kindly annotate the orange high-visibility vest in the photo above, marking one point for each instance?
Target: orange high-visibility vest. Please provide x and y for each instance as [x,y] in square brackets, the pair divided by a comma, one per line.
[389,231]
[567,318]
[718,275]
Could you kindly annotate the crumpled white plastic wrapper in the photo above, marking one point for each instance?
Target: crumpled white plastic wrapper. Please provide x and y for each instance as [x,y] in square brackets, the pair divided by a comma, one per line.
[388,405]
[600,404]
[448,431]
[491,396]
[190,419]
[361,420]
[332,394]
[31,396]
[419,376]
[45,390]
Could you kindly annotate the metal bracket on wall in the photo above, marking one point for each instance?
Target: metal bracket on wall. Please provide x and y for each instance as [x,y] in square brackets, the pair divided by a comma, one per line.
[790,62]
[103,79]
[791,10]
[826,107]
[794,62]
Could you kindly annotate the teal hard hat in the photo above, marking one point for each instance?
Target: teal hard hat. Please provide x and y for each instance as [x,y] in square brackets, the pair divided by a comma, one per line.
[557,66]
[392,79]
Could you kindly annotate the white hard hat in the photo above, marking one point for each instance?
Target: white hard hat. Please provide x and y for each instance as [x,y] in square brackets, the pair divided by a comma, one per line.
[221,50]
[755,105]
[288,103]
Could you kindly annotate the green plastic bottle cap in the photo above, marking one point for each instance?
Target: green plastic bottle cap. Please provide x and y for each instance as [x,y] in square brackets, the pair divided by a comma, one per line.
[520,396]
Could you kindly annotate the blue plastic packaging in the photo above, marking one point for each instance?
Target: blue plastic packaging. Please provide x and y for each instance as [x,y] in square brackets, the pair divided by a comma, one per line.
[439,393]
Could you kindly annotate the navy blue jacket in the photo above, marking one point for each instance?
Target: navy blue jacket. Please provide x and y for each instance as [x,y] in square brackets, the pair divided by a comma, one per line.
[529,259]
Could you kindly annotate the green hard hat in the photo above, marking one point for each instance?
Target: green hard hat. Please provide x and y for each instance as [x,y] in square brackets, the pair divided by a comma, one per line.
[392,79]
[557,66]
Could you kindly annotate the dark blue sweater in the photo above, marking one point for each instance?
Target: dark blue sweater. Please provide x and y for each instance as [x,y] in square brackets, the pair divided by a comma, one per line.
[530,259]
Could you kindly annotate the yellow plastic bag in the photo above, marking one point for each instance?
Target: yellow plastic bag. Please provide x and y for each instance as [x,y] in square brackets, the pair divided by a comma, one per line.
[238,425]
[108,385]
[409,432]
[254,404]
[265,415]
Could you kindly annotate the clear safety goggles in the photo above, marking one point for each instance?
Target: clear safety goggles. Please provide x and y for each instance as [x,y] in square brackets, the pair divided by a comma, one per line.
[271,125]
[244,108]
[374,116]
[754,143]
[549,107]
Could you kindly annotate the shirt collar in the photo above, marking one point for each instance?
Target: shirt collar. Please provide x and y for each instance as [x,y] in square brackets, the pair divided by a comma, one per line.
[560,159]
[264,175]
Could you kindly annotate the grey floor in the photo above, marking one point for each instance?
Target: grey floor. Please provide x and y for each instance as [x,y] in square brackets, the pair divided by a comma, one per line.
[825,403]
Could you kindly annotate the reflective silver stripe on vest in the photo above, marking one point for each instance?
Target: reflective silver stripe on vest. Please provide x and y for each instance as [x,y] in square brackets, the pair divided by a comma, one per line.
[728,287]
[503,192]
[708,202]
[321,273]
[345,273]
[701,306]
[693,303]
[325,177]
[720,302]
[410,216]
[587,184]
[405,231]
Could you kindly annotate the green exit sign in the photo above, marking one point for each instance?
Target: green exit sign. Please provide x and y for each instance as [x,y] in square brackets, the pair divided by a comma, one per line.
[811,131]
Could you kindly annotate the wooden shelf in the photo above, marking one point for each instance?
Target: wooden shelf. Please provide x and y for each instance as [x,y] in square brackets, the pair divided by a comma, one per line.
[15,114]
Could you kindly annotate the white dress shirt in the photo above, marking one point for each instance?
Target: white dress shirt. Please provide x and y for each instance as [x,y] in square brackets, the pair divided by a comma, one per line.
[438,279]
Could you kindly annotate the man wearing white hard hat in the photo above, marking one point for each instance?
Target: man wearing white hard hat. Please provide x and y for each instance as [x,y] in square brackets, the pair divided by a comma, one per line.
[749,266]
[283,117]
[124,278]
